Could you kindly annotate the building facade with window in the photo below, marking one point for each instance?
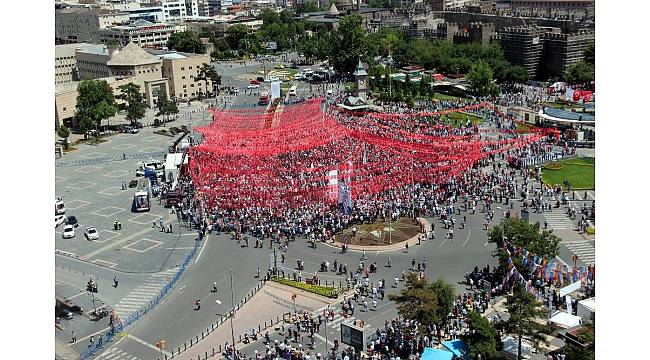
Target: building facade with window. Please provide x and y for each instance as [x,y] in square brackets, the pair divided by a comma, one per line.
[182,69]
[141,32]
[75,25]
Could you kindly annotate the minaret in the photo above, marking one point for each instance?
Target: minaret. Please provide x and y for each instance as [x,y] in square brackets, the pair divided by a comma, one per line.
[361,79]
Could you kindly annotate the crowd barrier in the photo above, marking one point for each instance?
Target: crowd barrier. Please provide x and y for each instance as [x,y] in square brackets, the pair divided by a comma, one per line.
[111,159]
[121,324]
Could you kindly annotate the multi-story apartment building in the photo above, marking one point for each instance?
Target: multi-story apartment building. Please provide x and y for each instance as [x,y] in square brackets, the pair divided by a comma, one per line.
[152,14]
[75,25]
[143,33]
[174,10]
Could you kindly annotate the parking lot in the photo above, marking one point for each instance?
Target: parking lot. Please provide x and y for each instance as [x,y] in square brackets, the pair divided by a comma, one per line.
[90,186]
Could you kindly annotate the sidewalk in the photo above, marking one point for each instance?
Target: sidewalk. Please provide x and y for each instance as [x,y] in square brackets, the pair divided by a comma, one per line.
[264,307]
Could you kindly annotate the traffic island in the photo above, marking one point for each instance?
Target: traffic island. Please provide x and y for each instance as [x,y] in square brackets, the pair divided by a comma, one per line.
[312,285]
[379,233]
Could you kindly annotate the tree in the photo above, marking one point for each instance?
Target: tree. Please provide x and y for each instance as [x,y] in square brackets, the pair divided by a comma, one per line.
[186,41]
[521,233]
[95,102]
[208,73]
[580,72]
[416,301]
[590,54]
[445,294]
[480,78]
[586,336]
[347,44]
[482,338]
[135,107]
[517,74]
[524,310]
[236,34]
[64,133]
[307,7]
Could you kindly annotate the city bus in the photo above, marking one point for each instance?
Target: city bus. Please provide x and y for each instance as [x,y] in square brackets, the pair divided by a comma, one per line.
[264,98]
[141,200]
[292,90]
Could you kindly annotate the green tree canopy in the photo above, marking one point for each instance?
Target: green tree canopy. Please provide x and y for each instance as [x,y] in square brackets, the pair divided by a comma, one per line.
[580,72]
[347,44]
[416,301]
[208,73]
[480,79]
[542,243]
[517,74]
[590,54]
[95,102]
[482,338]
[524,313]
[307,7]
[135,108]
[63,132]
[235,35]
[186,41]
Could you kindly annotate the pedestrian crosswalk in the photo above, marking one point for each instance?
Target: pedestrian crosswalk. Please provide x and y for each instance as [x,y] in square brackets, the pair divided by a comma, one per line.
[580,195]
[585,251]
[558,220]
[144,293]
[116,354]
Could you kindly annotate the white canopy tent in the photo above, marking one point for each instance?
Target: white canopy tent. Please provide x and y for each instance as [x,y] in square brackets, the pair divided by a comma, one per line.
[586,309]
[564,319]
[511,346]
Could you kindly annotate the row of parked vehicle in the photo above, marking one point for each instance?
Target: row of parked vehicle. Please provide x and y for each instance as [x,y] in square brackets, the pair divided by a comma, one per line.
[70,223]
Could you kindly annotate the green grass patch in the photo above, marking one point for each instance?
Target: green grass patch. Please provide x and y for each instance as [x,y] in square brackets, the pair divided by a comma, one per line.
[457,119]
[316,289]
[524,127]
[445,97]
[578,172]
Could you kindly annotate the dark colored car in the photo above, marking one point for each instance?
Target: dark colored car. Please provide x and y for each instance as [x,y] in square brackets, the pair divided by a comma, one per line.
[72,220]
[64,314]
[294,66]
[260,78]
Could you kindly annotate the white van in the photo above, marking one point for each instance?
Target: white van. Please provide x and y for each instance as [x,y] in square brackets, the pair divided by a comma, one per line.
[59,207]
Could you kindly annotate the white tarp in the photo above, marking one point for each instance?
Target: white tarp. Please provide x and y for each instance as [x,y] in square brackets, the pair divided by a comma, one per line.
[511,346]
[569,288]
[586,308]
[565,319]
[275,90]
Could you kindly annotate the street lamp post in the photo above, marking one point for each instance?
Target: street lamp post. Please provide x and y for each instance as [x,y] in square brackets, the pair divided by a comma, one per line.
[232,330]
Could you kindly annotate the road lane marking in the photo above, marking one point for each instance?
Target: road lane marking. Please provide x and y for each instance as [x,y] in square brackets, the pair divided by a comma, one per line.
[202,248]
[468,234]
[147,344]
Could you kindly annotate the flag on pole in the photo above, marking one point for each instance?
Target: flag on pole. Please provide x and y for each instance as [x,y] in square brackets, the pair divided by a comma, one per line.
[332,186]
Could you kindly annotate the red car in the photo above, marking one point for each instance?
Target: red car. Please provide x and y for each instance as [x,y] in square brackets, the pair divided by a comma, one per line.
[255,82]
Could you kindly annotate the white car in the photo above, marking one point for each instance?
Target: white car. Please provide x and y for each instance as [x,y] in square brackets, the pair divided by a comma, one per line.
[91,233]
[308,72]
[68,232]
[59,219]
[253,86]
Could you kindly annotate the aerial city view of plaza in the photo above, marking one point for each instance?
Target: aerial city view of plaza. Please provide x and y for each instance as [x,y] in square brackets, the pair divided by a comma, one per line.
[310,180]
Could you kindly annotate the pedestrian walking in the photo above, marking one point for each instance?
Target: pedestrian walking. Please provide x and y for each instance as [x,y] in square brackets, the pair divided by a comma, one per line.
[74,337]
[115,282]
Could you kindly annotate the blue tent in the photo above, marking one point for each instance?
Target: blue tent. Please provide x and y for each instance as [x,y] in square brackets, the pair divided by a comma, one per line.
[436,354]
[457,347]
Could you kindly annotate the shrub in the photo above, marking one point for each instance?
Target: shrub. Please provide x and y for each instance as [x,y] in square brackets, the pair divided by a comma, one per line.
[553,166]
[316,289]
[590,230]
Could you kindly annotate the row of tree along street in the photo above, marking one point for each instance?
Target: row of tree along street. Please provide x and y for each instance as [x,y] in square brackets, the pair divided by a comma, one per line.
[434,305]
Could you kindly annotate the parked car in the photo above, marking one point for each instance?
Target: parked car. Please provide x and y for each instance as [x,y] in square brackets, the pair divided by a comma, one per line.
[72,220]
[294,66]
[134,131]
[253,86]
[257,82]
[259,78]
[58,220]
[64,313]
[279,66]
[68,232]
[91,233]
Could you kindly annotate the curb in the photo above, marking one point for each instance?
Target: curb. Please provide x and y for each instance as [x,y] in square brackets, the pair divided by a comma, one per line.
[382,248]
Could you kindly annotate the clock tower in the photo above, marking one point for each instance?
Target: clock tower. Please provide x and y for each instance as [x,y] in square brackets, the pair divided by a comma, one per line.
[361,79]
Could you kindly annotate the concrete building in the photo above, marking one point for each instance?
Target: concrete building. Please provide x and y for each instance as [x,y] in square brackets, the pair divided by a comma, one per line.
[65,62]
[181,69]
[174,10]
[152,14]
[462,34]
[91,62]
[143,33]
[561,51]
[218,26]
[76,25]
[523,46]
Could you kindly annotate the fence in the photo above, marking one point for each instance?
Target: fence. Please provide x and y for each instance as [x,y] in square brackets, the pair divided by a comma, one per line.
[111,159]
[195,340]
[108,337]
